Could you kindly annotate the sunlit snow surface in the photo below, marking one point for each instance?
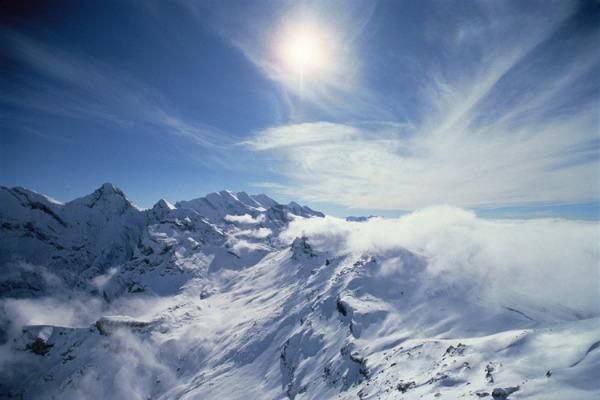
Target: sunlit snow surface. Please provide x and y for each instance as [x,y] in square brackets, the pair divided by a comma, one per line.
[234,296]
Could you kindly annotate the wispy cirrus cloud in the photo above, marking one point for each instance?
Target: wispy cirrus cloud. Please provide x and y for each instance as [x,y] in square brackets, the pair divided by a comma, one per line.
[510,119]
[79,86]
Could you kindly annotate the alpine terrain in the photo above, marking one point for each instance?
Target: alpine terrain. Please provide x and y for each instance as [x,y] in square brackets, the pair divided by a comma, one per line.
[236,296]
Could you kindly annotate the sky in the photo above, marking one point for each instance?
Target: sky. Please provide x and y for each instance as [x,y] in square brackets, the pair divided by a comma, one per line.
[351,107]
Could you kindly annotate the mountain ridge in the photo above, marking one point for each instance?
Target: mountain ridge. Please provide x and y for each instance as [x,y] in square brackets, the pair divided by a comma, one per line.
[237,296]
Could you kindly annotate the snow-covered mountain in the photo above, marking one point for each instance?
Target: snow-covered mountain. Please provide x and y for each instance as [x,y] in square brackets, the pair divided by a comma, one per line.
[233,296]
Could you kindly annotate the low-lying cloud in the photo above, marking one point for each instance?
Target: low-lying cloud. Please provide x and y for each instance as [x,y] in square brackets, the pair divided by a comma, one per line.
[543,262]
[245,219]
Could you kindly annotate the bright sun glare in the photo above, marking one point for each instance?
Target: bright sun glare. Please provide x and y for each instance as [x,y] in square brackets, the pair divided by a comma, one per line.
[305,51]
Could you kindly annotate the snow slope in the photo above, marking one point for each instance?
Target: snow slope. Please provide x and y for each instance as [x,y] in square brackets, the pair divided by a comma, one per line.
[235,296]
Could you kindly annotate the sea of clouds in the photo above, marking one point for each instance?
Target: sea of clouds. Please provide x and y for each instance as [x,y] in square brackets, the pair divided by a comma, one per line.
[546,262]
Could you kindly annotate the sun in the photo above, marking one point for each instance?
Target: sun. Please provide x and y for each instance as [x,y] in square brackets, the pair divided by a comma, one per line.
[305,50]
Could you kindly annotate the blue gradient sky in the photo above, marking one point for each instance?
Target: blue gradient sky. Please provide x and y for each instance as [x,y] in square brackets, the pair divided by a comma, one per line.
[486,105]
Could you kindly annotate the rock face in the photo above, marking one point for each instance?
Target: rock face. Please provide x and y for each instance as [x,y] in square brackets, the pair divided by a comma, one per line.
[219,298]
[40,346]
[301,248]
[503,393]
[37,339]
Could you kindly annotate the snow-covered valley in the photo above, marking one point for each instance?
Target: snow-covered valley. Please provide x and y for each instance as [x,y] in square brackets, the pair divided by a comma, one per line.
[233,296]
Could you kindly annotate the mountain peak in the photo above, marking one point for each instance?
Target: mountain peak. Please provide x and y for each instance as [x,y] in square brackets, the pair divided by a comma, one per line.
[108,189]
[107,195]
[228,193]
[163,204]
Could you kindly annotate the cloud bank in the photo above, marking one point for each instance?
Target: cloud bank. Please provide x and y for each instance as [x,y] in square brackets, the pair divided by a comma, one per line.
[545,262]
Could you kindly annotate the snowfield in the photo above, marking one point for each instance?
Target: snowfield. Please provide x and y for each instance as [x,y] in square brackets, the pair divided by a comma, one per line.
[234,296]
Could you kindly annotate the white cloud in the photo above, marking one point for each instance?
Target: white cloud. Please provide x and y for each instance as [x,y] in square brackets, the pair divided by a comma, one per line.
[541,262]
[76,311]
[245,219]
[386,169]
[101,280]
[502,129]
[259,233]
[302,135]
[242,247]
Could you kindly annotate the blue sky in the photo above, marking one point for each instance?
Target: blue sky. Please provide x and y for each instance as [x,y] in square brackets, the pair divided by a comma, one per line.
[396,105]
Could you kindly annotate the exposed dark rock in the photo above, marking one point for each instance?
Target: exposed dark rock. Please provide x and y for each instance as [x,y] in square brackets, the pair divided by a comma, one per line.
[35,205]
[456,351]
[440,376]
[488,373]
[45,209]
[341,307]
[135,288]
[288,369]
[68,358]
[503,393]
[301,248]
[363,370]
[39,347]
[405,386]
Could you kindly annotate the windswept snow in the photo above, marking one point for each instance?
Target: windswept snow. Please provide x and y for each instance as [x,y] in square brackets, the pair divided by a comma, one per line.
[234,296]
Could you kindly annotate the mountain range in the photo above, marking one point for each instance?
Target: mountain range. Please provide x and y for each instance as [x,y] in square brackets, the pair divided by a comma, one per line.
[236,296]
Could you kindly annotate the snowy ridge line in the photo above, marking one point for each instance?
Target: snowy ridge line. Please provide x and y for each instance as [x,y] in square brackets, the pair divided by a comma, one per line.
[234,296]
